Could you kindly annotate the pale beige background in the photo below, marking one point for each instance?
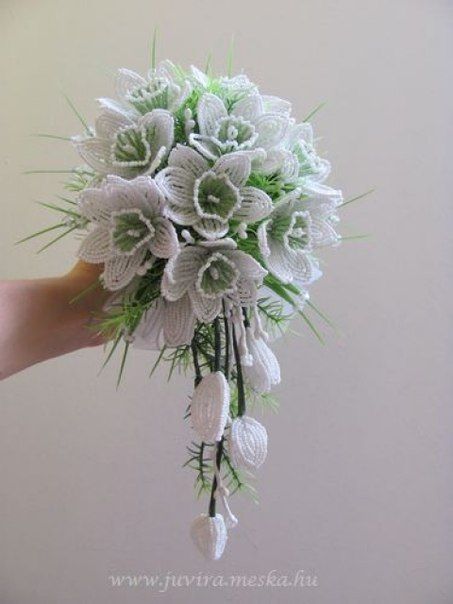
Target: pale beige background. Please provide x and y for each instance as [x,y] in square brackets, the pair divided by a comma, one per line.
[358,486]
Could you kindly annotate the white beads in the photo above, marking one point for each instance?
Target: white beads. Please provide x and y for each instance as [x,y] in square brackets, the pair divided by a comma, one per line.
[210,406]
[209,535]
[247,443]
[264,371]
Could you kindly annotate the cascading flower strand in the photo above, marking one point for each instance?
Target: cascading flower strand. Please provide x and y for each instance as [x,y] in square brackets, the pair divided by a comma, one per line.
[205,202]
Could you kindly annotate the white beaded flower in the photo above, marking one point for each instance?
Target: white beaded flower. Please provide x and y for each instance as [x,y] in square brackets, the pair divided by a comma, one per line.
[247,443]
[208,198]
[165,323]
[209,534]
[264,370]
[164,88]
[229,88]
[285,242]
[248,125]
[210,407]
[296,160]
[127,144]
[130,228]
[210,273]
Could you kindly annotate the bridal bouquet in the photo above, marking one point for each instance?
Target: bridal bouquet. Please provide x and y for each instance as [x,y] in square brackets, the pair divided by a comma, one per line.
[204,201]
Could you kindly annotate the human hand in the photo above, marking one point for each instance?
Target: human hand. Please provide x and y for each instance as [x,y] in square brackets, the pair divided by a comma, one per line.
[39,318]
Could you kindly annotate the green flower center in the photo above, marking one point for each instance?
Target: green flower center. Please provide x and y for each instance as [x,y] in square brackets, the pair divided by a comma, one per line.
[217,277]
[235,133]
[130,230]
[152,96]
[132,146]
[293,230]
[309,161]
[215,197]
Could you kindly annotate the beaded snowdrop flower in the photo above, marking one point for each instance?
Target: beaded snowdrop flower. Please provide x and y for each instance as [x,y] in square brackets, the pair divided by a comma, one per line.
[248,125]
[263,370]
[164,88]
[285,242]
[125,144]
[208,197]
[247,443]
[164,324]
[130,230]
[211,273]
[205,201]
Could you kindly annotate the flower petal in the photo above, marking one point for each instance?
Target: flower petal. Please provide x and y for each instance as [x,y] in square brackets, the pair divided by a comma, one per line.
[204,145]
[200,77]
[271,130]
[249,107]
[209,111]
[179,322]
[210,535]
[247,443]
[255,205]
[274,104]
[205,309]
[127,80]
[181,272]
[210,406]
[209,228]
[129,113]
[247,266]
[93,204]
[322,233]
[149,335]
[96,153]
[120,270]
[95,248]
[184,216]
[246,291]
[236,166]
[109,122]
[164,244]
[277,261]
[144,194]
[265,369]
[263,242]
[162,122]
[297,132]
[188,159]
[176,185]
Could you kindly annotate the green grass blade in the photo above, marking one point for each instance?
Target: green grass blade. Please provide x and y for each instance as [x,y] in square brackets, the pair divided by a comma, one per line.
[314,111]
[353,237]
[71,201]
[51,206]
[361,196]
[52,136]
[230,58]
[27,172]
[153,49]
[85,291]
[111,351]
[45,247]
[321,314]
[43,232]
[158,360]
[208,66]
[312,327]
[77,114]
[123,363]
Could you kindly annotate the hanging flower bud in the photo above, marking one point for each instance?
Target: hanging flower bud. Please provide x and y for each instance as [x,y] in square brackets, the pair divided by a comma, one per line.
[264,371]
[247,443]
[209,535]
[210,406]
